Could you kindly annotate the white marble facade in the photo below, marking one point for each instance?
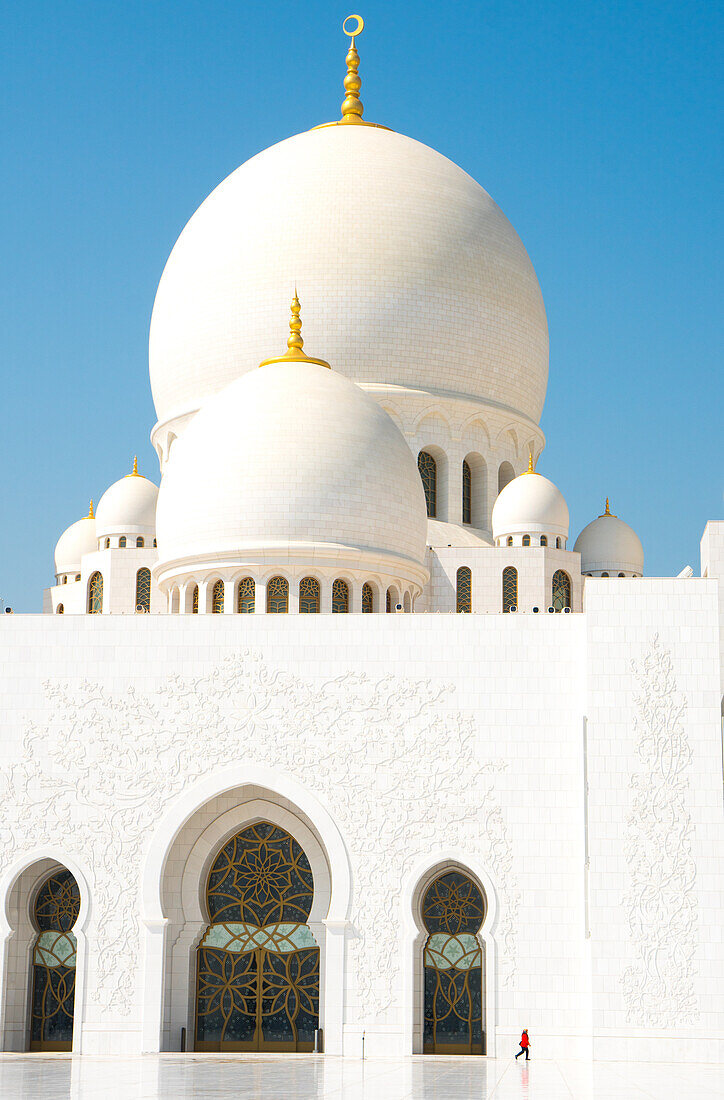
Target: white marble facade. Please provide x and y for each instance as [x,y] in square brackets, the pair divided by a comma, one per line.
[570,764]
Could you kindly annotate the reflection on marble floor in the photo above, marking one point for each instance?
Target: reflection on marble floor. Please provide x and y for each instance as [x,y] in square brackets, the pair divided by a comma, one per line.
[258,1077]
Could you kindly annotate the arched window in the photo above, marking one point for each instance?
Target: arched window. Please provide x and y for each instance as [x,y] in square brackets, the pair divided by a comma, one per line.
[604,574]
[510,588]
[60,610]
[95,594]
[246,597]
[453,911]
[544,540]
[52,1002]
[108,544]
[139,542]
[463,588]
[155,544]
[77,576]
[622,574]
[122,542]
[509,541]
[467,493]
[428,472]
[217,598]
[195,600]
[561,590]
[388,601]
[277,596]
[308,596]
[143,590]
[340,597]
[558,544]
[526,540]
[368,599]
[257,986]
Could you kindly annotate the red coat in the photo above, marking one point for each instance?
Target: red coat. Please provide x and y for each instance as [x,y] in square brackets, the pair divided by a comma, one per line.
[524,1041]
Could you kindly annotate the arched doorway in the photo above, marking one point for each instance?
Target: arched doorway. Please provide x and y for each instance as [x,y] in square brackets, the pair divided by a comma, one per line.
[257,967]
[52,1002]
[453,911]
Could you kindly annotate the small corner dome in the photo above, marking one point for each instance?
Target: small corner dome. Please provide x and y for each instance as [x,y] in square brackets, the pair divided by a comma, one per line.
[128,507]
[292,463]
[79,539]
[530,504]
[609,545]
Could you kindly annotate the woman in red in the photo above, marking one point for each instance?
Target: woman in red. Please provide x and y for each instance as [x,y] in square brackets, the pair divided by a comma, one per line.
[524,1045]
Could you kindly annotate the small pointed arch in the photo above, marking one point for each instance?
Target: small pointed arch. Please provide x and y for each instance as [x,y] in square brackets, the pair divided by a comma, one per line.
[309,596]
[143,590]
[277,596]
[464,590]
[394,415]
[60,610]
[508,436]
[95,594]
[432,424]
[246,596]
[474,430]
[217,598]
[560,590]
[391,600]
[368,598]
[510,588]
[340,597]
[506,473]
[427,466]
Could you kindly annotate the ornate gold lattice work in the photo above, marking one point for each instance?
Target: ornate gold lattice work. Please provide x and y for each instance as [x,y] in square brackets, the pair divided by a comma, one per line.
[246,597]
[217,598]
[464,584]
[258,963]
[143,590]
[428,472]
[195,600]
[340,597]
[561,590]
[308,596]
[368,599]
[467,493]
[526,540]
[53,996]
[95,594]
[510,587]
[277,596]
[453,910]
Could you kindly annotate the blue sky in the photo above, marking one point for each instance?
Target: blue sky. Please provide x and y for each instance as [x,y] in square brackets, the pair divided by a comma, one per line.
[595,126]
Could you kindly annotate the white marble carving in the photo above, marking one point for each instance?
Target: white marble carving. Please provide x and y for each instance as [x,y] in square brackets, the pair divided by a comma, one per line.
[661,901]
[377,752]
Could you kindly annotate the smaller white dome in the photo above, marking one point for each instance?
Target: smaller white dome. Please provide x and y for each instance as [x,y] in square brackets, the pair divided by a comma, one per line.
[530,504]
[128,507]
[608,545]
[79,539]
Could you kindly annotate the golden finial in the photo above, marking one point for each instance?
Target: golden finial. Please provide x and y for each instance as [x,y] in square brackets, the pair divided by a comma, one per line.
[352,106]
[531,464]
[295,352]
[91,513]
[134,472]
[608,512]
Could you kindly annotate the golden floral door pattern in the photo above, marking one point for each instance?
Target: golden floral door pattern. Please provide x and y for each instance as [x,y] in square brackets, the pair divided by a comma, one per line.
[453,910]
[257,974]
[54,955]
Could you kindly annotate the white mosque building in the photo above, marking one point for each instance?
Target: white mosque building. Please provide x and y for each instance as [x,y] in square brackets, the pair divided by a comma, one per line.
[338,735]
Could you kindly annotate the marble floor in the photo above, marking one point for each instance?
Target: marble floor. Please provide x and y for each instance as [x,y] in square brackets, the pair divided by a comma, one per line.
[306,1077]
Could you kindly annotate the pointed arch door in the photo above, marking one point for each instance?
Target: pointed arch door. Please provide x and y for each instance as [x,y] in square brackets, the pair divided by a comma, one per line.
[257,974]
[52,1001]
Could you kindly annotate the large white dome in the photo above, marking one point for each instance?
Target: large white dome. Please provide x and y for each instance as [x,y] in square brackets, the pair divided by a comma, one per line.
[292,464]
[411,275]
[608,545]
[128,507]
[530,504]
[76,540]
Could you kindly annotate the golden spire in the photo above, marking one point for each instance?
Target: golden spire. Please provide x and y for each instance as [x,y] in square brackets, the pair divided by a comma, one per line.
[531,464]
[91,513]
[608,512]
[134,472]
[295,352]
[352,106]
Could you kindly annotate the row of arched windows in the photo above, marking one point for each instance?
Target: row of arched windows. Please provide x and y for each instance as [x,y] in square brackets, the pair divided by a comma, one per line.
[277,597]
[123,543]
[95,593]
[526,541]
[427,464]
[560,589]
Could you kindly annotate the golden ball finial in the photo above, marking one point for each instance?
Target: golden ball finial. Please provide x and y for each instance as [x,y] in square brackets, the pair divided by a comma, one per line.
[608,511]
[91,513]
[352,108]
[295,352]
[531,464]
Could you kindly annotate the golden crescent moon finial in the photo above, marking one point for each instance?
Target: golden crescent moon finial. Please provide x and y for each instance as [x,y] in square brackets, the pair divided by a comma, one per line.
[357,30]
